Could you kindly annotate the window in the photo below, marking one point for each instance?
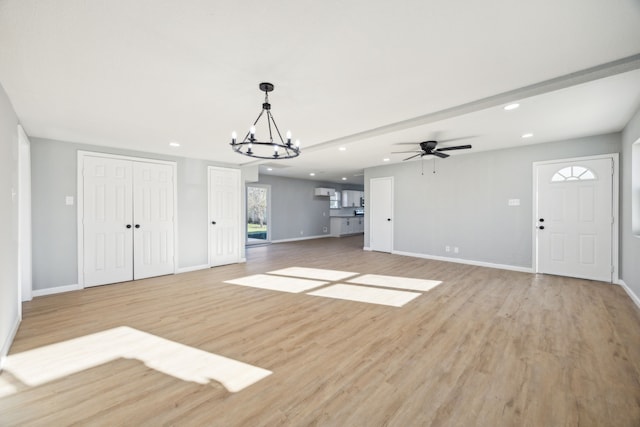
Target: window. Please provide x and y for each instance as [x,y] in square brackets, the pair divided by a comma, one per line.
[573,173]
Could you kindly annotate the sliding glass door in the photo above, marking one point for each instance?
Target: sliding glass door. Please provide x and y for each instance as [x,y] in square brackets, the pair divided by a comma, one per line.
[258,212]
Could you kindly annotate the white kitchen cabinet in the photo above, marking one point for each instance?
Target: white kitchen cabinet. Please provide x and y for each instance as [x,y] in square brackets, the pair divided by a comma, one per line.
[344,226]
[352,198]
[321,191]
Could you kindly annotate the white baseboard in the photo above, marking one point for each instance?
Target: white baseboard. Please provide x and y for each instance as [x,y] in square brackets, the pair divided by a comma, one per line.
[296,239]
[56,290]
[192,268]
[466,261]
[366,248]
[4,351]
[629,292]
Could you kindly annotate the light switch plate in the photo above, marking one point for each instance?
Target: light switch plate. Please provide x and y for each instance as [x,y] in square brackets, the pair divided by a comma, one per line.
[514,202]
[68,200]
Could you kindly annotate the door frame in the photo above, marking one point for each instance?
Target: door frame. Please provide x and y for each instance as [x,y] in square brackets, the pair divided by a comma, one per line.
[615,194]
[25,278]
[80,203]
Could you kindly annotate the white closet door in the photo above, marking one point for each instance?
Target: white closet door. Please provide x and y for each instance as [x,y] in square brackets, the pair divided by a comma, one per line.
[224,216]
[108,255]
[153,219]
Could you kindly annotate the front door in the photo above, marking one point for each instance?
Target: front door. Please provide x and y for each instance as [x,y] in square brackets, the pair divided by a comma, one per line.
[574,218]
[224,216]
[381,214]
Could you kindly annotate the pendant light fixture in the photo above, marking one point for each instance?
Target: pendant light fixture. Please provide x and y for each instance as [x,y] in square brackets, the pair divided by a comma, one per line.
[252,147]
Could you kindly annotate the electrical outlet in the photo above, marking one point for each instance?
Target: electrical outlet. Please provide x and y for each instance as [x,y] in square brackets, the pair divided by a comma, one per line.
[324,229]
[455,250]
[447,248]
[301,232]
[513,202]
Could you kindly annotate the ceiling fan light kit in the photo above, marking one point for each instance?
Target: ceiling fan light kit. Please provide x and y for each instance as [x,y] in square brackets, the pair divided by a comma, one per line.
[252,147]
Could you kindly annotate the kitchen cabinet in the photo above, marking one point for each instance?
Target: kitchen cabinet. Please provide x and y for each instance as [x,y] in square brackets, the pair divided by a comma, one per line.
[352,198]
[321,191]
[344,226]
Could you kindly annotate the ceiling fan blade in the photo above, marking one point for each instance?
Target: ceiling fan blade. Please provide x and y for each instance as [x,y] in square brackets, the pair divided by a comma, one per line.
[441,155]
[409,158]
[412,151]
[456,139]
[457,147]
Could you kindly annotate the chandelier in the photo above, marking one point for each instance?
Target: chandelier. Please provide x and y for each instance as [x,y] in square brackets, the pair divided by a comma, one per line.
[252,147]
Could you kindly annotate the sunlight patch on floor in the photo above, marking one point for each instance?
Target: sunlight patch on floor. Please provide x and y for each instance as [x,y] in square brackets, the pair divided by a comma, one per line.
[366,294]
[275,283]
[396,282]
[314,273]
[51,362]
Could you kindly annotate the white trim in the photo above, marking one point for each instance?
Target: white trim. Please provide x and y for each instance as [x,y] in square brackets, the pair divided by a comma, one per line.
[4,351]
[615,208]
[366,248]
[56,290]
[297,239]
[466,261]
[80,203]
[192,268]
[629,292]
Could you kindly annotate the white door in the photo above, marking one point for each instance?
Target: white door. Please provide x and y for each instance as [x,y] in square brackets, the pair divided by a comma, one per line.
[224,216]
[381,214]
[153,219]
[127,220]
[108,221]
[574,217]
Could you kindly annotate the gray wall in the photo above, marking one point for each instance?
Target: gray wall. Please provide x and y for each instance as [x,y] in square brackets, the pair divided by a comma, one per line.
[54,176]
[464,203]
[295,211]
[9,306]
[629,244]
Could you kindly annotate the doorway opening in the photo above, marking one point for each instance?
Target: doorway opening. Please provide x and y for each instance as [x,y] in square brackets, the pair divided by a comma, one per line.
[258,214]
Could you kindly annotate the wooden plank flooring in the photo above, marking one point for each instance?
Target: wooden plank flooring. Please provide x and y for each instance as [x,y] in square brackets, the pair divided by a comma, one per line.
[485,348]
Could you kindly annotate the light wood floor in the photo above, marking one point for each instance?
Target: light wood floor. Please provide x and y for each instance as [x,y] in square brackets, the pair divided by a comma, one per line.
[486,348]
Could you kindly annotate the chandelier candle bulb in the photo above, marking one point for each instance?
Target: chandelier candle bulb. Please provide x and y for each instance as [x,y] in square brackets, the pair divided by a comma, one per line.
[288,137]
[252,132]
[297,143]
[234,136]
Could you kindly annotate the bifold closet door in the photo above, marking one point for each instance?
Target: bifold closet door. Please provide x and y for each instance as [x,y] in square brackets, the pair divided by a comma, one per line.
[108,210]
[128,223]
[153,220]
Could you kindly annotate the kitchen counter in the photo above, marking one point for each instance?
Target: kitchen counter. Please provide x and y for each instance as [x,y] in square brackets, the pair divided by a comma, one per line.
[344,225]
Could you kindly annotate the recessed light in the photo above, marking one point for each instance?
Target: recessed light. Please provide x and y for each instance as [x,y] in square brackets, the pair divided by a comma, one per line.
[527,135]
[342,148]
[269,169]
[174,144]
[312,174]
[511,106]
[344,178]
[386,159]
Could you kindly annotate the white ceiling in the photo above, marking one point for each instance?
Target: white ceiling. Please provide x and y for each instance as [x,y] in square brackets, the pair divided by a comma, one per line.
[359,74]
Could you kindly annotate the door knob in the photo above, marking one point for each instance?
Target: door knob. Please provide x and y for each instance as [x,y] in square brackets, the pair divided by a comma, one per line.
[541,227]
[137,225]
[388,219]
[213,222]
[128,225]
[541,220]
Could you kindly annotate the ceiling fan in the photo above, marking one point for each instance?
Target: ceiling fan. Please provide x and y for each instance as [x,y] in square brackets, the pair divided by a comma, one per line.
[429,148]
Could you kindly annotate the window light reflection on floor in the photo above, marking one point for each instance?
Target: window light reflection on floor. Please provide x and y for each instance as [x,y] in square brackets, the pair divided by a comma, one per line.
[51,362]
